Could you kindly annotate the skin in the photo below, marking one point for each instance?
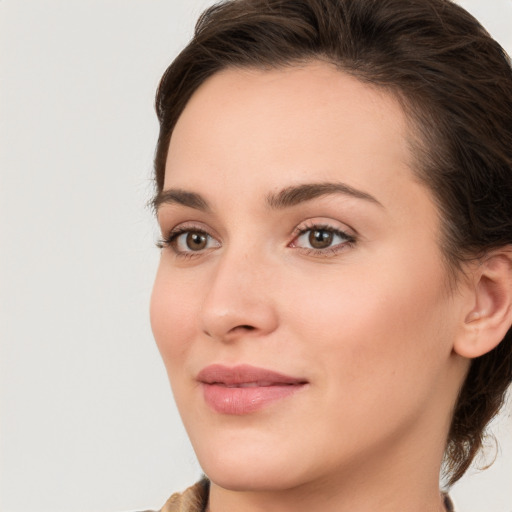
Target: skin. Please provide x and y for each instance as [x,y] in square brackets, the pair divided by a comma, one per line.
[370,324]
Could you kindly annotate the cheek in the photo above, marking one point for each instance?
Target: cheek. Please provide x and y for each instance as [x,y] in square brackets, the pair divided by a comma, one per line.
[382,319]
[376,345]
[173,312]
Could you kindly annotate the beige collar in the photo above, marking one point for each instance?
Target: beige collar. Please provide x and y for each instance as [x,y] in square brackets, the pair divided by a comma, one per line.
[195,499]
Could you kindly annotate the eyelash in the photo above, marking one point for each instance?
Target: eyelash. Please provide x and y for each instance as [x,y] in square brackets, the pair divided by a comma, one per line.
[169,240]
[349,240]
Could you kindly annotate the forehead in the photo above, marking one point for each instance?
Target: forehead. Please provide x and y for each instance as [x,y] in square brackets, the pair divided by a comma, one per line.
[265,129]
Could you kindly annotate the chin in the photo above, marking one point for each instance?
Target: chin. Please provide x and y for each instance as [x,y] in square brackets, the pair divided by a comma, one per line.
[249,467]
[247,479]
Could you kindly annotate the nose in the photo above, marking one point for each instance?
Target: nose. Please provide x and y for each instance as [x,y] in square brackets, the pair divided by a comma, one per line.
[239,301]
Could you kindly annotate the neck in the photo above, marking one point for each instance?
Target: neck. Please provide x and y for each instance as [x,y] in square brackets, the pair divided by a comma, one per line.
[298,501]
[386,489]
[403,476]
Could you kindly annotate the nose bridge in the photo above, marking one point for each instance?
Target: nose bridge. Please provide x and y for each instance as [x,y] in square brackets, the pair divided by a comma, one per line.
[239,295]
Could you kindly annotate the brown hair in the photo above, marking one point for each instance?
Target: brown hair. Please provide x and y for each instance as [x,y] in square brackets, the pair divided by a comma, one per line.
[454,82]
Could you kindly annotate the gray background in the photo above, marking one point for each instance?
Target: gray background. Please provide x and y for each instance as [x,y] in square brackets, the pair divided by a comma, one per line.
[87,418]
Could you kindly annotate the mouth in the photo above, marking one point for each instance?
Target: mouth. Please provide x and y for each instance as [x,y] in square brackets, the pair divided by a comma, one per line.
[245,389]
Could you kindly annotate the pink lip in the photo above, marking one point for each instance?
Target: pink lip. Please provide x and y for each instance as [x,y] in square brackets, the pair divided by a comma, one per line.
[244,389]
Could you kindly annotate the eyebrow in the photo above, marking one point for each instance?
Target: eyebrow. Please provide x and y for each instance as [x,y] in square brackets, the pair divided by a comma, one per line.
[179,196]
[286,198]
[291,196]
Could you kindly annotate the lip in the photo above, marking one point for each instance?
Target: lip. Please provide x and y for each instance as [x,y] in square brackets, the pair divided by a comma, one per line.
[244,389]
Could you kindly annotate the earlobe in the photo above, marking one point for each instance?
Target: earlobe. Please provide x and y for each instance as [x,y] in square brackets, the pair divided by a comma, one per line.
[490,316]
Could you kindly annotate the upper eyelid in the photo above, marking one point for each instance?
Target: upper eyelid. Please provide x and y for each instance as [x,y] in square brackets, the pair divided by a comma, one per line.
[170,237]
[190,226]
[340,232]
[331,224]
[301,227]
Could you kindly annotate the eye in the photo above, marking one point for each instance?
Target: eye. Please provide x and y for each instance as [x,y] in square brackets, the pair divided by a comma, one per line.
[187,241]
[322,239]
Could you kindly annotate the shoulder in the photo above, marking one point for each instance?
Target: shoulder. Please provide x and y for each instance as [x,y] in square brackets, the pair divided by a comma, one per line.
[193,499]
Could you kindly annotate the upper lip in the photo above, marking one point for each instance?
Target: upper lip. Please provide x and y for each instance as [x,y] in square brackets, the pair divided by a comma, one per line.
[244,374]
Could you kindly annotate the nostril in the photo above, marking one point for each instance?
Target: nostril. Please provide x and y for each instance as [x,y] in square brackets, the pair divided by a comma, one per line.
[233,330]
[243,327]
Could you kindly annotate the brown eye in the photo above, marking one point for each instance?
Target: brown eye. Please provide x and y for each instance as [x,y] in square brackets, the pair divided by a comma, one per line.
[320,238]
[323,240]
[191,241]
[196,241]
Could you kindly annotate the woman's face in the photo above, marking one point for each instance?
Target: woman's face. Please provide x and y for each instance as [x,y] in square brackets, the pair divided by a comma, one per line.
[301,304]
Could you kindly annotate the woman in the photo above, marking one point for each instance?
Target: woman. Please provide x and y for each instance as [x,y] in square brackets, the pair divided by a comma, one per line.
[334,296]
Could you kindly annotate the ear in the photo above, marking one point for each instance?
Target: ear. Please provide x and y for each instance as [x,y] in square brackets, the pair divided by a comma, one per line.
[489,314]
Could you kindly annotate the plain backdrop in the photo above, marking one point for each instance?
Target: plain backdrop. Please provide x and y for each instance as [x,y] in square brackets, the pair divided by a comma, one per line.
[87,418]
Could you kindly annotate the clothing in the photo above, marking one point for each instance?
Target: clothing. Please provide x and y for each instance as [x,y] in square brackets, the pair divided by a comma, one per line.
[195,499]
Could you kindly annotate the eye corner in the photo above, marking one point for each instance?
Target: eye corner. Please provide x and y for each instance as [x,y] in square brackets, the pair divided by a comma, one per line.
[189,240]
[321,239]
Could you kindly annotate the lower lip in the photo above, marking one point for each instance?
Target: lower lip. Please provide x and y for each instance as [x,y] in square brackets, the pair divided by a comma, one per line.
[239,401]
